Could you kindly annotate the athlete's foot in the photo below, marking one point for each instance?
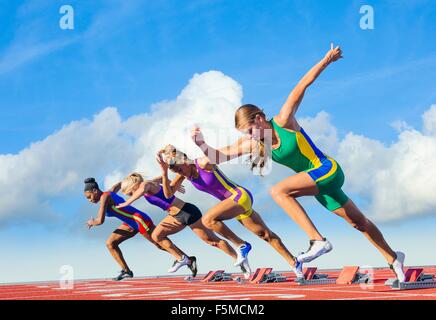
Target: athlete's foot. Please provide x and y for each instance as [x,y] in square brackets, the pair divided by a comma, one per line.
[193,265]
[242,252]
[178,264]
[245,268]
[317,248]
[298,270]
[123,275]
[397,266]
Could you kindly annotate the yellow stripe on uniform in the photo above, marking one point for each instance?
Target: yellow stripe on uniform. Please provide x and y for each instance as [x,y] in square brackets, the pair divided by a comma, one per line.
[307,150]
[331,172]
[244,201]
[131,216]
[224,183]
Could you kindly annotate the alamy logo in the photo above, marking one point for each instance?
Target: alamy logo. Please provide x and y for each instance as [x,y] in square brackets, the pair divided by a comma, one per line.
[66,22]
[367,20]
[66,282]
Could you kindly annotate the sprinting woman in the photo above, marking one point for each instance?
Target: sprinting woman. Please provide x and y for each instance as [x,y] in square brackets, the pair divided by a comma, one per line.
[180,214]
[317,174]
[235,202]
[134,221]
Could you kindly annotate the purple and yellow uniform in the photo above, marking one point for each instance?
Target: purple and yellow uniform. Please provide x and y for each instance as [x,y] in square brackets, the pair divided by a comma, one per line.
[159,199]
[134,218]
[218,185]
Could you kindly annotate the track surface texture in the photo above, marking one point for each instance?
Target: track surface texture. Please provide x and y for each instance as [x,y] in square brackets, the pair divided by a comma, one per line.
[175,288]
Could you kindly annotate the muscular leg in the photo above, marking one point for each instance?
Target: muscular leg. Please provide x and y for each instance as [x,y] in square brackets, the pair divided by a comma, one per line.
[121,234]
[169,225]
[255,224]
[284,194]
[225,210]
[356,218]
[211,238]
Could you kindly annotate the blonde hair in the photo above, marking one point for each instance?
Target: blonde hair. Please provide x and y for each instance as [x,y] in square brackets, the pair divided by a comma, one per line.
[129,182]
[245,115]
[172,155]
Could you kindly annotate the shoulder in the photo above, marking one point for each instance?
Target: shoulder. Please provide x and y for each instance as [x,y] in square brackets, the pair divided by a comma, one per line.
[289,123]
[106,198]
[106,194]
[205,163]
[279,120]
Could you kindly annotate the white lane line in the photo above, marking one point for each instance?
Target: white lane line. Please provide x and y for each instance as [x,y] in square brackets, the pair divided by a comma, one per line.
[113,295]
[163,293]
[123,289]
[372,297]
[249,296]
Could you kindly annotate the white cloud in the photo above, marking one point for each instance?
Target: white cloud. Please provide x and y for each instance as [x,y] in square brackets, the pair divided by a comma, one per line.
[396,180]
[108,147]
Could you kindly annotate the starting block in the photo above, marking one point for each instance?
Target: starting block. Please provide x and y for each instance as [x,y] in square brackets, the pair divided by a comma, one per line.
[265,275]
[215,276]
[348,275]
[415,279]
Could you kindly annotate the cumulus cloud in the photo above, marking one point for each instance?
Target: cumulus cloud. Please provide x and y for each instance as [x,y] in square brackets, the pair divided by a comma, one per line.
[396,179]
[108,147]
[393,180]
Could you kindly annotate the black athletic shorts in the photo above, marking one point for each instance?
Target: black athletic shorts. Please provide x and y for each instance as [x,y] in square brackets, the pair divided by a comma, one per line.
[188,215]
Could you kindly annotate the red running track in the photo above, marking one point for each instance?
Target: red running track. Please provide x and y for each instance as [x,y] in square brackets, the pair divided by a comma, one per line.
[173,288]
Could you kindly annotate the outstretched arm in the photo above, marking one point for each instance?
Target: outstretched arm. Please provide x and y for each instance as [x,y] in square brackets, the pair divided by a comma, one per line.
[135,196]
[290,107]
[243,146]
[158,179]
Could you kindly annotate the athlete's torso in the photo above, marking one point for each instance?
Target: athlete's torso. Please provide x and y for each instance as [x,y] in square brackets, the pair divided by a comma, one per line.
[214,182]
[125,214]
[111,211]
[160,200]
[296,150]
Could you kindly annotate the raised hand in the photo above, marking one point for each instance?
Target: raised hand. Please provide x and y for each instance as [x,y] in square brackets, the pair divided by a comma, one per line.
[197,136]
[164,166]
[90,223]
[334,54]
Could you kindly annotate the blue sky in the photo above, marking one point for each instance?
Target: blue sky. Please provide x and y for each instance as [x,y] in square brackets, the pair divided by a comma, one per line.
[133,54]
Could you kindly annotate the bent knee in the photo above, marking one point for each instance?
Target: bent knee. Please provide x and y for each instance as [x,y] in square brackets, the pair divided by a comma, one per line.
[111,244]
[208,222]
[277,192]
[157,237]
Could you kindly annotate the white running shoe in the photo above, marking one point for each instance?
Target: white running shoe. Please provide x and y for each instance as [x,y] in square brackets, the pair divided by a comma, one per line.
[317,248]
[397,266]
[178,264]
[242,253]
[298,270]
[245,268]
